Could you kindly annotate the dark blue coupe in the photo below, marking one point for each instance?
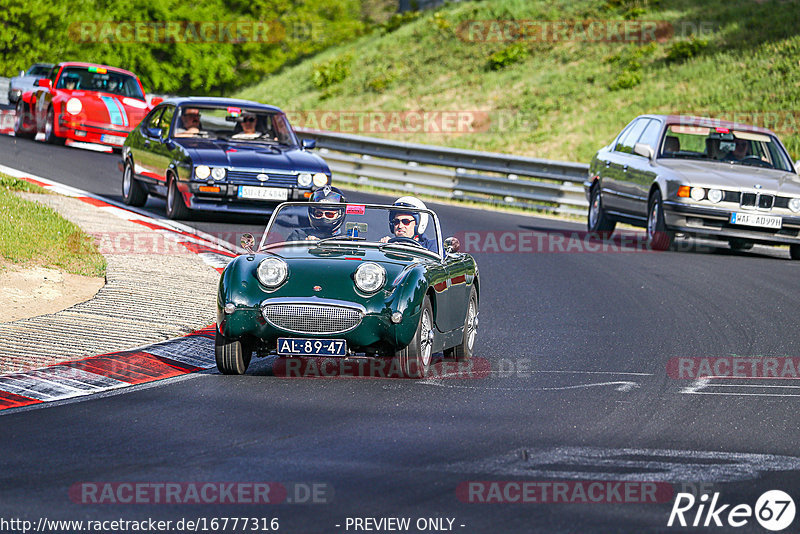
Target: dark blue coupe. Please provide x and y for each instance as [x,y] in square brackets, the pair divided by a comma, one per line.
[218,154]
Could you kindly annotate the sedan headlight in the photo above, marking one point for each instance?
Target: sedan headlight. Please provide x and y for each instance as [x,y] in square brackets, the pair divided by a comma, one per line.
[272,272]
[697,193]
[370,277]
[714,195]
[304,179]
[320,179]
[218,173]
[202,172]
[74,106]
[794,204]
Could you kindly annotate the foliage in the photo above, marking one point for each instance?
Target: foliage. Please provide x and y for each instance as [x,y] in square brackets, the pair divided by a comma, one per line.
[686,49]
[331,72]
[508,56]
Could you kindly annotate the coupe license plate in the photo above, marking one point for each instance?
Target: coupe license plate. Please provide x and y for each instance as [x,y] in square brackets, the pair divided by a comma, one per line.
[112,139]
[288,346]
[754,219]
[263,193]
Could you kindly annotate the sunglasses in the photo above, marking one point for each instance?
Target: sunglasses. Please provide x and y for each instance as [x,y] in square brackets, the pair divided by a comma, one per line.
[325,214]
[249,119]
[404,222]
[192,115]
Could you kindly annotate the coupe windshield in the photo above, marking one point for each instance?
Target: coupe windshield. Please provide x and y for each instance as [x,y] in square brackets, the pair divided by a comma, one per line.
[739,147]
[101,80]
[39,70]
[234,123]
[328,224]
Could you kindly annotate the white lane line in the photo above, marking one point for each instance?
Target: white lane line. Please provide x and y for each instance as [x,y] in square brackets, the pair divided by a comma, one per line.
[622,385]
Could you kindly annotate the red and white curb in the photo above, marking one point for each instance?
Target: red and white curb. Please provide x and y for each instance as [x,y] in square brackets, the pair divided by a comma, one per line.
[95,374]
[7,118]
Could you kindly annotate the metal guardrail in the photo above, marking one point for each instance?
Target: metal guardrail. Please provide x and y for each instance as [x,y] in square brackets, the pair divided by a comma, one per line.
[485,177]
[4,83]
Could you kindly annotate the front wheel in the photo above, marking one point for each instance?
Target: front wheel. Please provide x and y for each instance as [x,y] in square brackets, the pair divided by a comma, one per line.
[415,359]
[133,192]
[19,121]
[233,355]
[658,237]
[794,252]
[463,351]
[176,207]
[598,220]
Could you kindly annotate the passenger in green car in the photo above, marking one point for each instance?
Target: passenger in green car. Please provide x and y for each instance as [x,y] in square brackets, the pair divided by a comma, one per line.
[323,222]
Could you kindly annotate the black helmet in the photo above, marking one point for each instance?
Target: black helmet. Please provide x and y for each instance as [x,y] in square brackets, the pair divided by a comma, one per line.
[329,220]
[421,219]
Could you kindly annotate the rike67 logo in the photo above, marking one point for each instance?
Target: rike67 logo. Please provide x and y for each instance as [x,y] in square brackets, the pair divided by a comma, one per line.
[774,510]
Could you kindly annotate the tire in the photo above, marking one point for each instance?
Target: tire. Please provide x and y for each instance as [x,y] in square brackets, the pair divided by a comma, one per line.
[50,136]
[794,252]
[19,121]
[740,244]
[233,355]
[176,207]
[658,237]
[463,351]
[415,359]
[133,192]
[597,219]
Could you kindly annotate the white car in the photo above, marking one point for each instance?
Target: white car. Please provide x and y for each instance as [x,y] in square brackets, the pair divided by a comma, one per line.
[24,82]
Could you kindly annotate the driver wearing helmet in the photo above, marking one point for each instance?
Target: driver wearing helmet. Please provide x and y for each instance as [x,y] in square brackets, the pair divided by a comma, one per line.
[70,80]
[323,222]
[410,224]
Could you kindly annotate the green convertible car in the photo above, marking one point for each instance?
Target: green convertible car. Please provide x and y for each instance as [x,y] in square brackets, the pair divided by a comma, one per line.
[361,291]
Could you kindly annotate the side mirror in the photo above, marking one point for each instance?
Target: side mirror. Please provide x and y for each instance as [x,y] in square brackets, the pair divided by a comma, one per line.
[308,144]
[156,100]
[797,166]
[248,242]
[452,245]
[22,73]
[43,82]
[643,150]
[154,132]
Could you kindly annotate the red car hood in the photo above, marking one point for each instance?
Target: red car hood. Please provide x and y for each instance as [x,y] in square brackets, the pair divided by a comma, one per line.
[121,112]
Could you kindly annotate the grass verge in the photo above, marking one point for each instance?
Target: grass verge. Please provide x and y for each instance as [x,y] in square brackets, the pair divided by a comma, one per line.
[34,234]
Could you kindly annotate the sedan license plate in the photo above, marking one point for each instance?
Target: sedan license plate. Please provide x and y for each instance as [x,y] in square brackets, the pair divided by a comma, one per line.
[288,346]
[263,193]
[112,139]
[754,219]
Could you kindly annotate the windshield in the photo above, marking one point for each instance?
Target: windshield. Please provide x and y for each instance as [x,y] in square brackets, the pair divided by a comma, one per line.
[388,226]
[234,123]
[739,147]
[38,70]
[101,80]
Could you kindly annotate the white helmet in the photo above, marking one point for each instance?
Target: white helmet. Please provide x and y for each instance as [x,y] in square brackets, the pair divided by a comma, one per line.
[411,202]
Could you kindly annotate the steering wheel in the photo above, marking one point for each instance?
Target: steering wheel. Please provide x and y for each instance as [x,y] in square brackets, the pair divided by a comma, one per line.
[755,160]
[405,240]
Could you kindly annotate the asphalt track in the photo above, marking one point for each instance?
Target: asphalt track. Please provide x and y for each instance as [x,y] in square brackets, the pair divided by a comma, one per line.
[579,344]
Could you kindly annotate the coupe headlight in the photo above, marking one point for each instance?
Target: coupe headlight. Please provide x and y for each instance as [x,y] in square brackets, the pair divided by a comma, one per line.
[370,277]
[794,204]
[304,179]
[202,172]
[272,272]
[320,179]
[697,193]
[74,106]
[714,195]
[218,173]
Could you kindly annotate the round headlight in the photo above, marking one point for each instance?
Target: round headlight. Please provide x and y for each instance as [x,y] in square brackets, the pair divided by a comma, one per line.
[370,277]
[794,204]
[202,172]
[218,173]
[74,106]
[272,272]
[697,193]
[714,195]
[304,179]
[320,179]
